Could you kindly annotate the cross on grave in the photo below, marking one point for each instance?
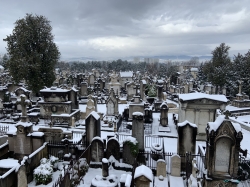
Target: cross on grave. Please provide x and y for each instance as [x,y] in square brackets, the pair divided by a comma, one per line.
[24,103]
[227,114]
[136,89]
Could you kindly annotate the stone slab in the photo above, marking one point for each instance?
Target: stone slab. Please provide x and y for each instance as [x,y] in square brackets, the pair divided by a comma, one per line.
[164,129]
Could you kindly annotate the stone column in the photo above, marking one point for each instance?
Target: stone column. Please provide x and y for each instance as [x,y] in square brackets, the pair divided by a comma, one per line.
[138,129]
[105,167]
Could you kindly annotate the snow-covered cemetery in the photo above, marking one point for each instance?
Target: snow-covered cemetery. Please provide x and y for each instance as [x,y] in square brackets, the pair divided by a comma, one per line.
[99,129]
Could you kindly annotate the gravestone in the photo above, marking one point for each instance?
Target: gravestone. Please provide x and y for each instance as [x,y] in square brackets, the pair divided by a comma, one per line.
[126,153]
[130,90]
[92,124]
[222,150]
[186,140]
[112,104]
[90,106]
[164,114]
[83,90]
[97,150]
[175,165]
[113,148]
[143,176]
[161,168]
[138,129]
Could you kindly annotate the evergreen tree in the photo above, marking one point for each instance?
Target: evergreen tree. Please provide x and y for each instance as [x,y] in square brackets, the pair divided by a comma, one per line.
[217,70]
[32,52]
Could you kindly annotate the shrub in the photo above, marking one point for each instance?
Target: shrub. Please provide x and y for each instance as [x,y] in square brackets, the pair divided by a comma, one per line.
[43,173]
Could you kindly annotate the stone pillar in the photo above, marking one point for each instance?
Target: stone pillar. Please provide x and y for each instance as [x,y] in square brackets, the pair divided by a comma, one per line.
[159,92]
[164,114]
[105,167]
[138,129]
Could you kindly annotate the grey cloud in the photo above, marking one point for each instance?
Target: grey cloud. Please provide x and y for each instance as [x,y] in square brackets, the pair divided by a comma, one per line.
[118,28]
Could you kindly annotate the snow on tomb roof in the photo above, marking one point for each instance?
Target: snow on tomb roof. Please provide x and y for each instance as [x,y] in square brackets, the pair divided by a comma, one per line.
[24,124]
[216,124]
[194,69]
[143,171]
[54,89]
[194,96]
[37,134]
[8,163]
[185,123]
[94,114]
[126,74]
[137,114]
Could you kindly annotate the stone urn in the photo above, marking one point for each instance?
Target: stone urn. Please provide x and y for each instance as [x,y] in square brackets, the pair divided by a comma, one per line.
[156,151]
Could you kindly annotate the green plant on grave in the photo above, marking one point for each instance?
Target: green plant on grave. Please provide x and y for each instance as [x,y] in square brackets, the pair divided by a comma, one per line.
[134,148]
[151,90]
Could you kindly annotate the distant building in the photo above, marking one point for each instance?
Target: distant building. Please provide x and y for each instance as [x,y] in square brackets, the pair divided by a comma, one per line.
[151,60]
[136,59]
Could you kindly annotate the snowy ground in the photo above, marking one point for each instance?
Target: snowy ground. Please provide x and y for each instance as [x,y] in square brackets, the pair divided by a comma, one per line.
[169,139]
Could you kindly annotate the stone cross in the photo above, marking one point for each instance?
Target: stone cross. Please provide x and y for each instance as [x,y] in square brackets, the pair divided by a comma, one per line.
[240,85]
[227,114]
[136,89]
[24,103]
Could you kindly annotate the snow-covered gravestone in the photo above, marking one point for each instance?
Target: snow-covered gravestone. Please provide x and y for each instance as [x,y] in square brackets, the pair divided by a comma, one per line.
[161,168]
[164,114]
[24,103]
[97,149]
[186,140]
[128,154]
[113,148]
[176,165]
[92,123]
[138,129]
[143,176]
[222,150]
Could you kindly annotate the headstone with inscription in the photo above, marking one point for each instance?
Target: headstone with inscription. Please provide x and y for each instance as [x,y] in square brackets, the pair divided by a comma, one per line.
[97,149]
[176,165]
[222,150]
[161,168]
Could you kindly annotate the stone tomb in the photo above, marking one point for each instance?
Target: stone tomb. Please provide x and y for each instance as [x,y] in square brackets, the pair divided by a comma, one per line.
[222,152]
[199,108]
[126,154]
[176,165]
[93,126]
[55,134]
[186,140]
[138,129]
[97,149]
[113,148]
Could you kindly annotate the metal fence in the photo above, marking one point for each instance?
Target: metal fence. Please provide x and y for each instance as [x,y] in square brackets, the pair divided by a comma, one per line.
[4,130]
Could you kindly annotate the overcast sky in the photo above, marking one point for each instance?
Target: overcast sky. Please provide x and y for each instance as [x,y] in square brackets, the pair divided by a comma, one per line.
[112,29]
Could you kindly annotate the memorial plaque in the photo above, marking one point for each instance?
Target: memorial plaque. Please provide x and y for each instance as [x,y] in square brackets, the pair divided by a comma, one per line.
[222,155]
[176,165]
[161,168]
